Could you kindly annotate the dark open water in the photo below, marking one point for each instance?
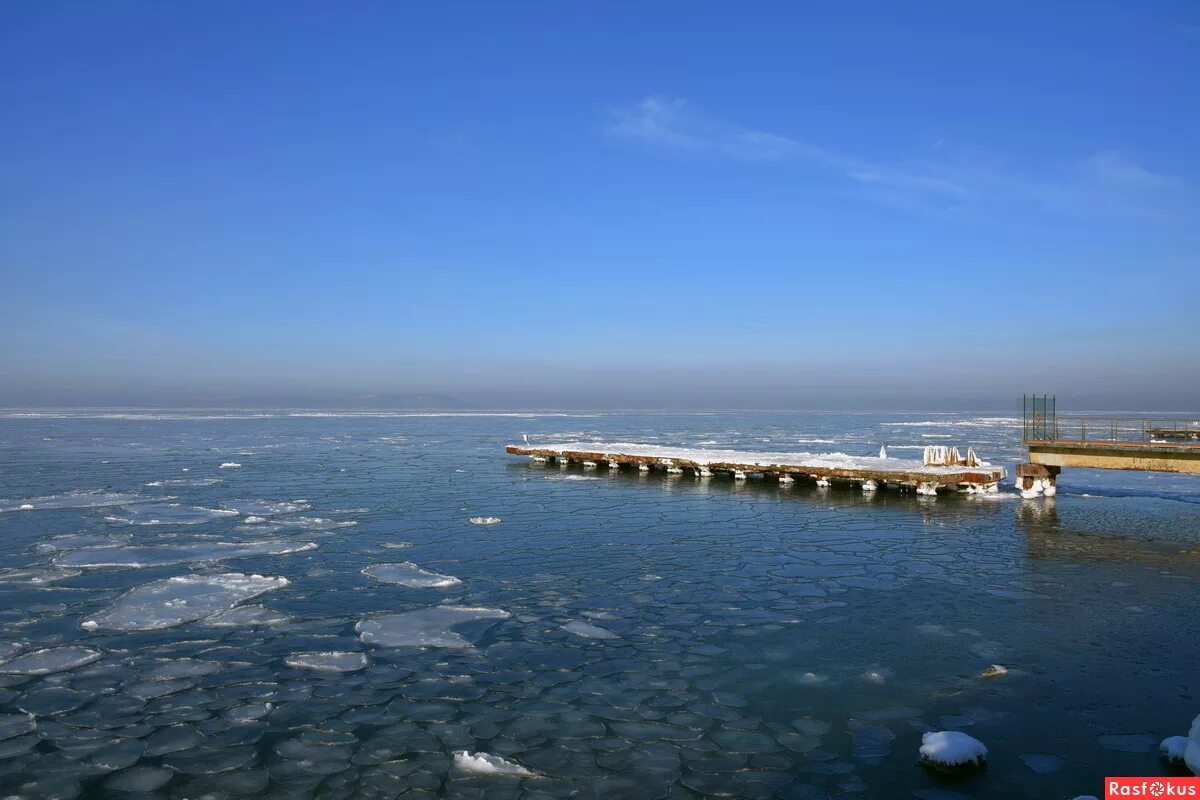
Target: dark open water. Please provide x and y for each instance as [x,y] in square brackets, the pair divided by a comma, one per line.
[641,636]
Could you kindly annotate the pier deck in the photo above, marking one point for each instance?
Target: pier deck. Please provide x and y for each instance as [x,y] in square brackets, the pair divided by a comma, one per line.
[871,472]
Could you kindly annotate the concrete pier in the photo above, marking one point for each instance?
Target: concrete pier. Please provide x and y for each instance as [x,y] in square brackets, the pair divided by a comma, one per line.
[869,473]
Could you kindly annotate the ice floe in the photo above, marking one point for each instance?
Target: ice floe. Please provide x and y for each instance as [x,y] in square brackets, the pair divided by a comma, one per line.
[265,508]
[588,631]
[174,669]
[168,514]
[408,574]
[74,541]
[50,660]
[138,779]
[484,520]
[174,601]
[155,555]
[80,499]
[994,671]
[186,482]
[489,764]
[246,616]
[334,661]
[16,724]
[37,576]
[426,627]
[230,465]
[951,750]
[303,524]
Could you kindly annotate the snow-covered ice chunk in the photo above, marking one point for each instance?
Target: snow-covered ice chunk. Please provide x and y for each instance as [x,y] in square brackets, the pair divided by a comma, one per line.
[588,631]
[994,671]
[50,660]
[951,750]
[230,465]
[489,764]
[155,555]
[426,627]
[168,514]
[406,573]
[174,601]
[328,662]
[484,520]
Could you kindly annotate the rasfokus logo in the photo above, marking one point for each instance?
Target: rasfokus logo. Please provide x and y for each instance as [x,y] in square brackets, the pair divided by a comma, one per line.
[1151,787]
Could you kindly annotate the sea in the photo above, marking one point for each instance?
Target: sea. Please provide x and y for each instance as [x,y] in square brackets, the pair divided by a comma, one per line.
[296,604]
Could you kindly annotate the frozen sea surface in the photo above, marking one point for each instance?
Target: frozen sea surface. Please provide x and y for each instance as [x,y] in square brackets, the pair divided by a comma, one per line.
[173,629]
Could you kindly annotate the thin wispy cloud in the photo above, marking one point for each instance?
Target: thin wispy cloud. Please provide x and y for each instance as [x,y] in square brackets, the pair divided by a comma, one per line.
[1105,183]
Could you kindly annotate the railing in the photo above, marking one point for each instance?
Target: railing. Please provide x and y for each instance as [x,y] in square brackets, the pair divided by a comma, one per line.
[1163,430]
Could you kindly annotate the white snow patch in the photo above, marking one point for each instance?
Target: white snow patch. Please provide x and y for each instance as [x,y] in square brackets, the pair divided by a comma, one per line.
[952,749]
[409,574]
[489,764]
[174,601]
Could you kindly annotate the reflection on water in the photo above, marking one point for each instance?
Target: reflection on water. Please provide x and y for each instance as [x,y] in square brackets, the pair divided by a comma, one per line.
[616,634]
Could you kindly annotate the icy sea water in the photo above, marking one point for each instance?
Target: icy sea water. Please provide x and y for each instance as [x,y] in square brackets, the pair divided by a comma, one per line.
[615,635]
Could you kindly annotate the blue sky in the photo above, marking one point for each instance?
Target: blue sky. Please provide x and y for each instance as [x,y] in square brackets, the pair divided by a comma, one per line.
[856,205]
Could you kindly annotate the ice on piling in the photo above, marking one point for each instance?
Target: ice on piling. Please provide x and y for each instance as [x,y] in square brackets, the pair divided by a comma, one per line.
[406,573]
[174,601]
[489,764]
[1174,748]
[1191,754]
[951,750]
[426,627]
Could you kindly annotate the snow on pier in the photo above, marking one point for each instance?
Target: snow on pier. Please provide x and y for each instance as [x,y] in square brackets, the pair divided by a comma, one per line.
[941,468]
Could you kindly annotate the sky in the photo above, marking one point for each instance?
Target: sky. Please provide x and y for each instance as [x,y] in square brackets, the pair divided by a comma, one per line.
[600,205]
